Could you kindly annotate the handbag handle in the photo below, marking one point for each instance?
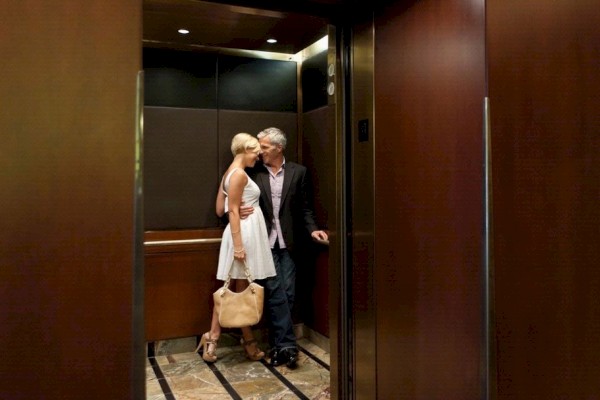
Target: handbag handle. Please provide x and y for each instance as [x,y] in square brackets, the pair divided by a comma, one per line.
[246,271]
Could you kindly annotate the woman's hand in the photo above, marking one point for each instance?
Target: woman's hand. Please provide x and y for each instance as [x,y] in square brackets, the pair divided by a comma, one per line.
[239,254]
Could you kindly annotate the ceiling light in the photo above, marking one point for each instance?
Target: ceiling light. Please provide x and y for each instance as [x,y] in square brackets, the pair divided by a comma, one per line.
[183,31]
[271,40]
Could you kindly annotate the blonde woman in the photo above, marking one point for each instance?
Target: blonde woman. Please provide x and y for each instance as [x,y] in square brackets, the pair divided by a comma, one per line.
[243,240]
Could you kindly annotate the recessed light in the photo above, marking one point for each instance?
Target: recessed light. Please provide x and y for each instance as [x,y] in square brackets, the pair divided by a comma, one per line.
[183,31]
[271,40]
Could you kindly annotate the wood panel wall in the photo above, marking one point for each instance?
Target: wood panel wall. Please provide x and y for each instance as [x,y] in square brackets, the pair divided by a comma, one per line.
[180,168]
[67,164]
[318,141]
[179,282]
[544,102]
[429,90]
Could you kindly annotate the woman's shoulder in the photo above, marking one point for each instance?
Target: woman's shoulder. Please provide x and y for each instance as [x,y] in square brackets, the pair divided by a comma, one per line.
[235,175]
[238,174]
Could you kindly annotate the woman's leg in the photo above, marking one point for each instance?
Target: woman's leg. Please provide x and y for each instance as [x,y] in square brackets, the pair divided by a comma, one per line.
[250,345]
[248,342]
[208,341]
[215,328]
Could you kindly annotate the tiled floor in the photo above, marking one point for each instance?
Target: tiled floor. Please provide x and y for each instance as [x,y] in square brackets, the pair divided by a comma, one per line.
[185,376]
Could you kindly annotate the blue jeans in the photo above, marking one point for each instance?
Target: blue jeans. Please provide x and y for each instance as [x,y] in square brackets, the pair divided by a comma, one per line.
[286,272]
[281,329]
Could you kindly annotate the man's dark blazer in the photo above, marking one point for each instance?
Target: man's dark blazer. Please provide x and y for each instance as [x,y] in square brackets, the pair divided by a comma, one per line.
[295,212]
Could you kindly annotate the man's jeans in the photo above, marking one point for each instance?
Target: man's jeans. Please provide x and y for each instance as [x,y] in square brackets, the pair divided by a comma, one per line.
[286,272]
[281,329]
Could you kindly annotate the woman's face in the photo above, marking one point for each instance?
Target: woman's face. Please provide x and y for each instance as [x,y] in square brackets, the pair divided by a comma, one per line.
[252,155]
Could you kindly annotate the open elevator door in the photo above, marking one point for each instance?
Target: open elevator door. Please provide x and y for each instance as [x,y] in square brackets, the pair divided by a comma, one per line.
[331,145]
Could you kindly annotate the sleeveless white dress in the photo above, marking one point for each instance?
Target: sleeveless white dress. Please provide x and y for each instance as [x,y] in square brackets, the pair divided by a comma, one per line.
[254,237]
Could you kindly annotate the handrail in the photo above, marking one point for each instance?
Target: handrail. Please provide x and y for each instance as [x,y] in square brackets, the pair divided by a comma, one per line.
[160,243]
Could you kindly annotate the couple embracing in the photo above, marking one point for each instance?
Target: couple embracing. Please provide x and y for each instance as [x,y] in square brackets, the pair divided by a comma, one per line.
[267,210]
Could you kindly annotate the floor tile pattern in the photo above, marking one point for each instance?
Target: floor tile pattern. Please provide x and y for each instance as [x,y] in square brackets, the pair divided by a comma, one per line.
[185,376]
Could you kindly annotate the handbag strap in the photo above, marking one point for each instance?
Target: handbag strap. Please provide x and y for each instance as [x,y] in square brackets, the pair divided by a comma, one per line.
[246,271]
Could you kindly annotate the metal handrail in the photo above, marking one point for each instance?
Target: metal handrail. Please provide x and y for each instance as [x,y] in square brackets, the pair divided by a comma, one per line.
[160,243]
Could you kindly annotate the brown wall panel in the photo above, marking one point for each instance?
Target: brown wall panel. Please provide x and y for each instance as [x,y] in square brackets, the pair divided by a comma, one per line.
[179,282]
[256,84]
[543,88]
[181,174]
[320,301]
[429,89]
[67,159]
[318,156]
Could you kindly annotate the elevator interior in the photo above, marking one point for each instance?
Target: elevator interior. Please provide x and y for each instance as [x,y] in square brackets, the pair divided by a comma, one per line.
[235,39]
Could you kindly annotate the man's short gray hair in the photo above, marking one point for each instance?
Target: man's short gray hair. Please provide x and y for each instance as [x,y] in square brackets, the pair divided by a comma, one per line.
[276,135]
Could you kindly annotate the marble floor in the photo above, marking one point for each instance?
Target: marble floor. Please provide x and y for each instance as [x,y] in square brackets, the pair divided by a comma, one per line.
[185,376]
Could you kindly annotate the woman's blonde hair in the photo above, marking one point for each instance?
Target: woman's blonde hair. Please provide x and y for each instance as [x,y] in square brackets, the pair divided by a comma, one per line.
[242,142]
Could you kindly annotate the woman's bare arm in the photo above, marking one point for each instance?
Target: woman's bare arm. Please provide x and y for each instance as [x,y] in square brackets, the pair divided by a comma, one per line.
[237,183]
[220,202]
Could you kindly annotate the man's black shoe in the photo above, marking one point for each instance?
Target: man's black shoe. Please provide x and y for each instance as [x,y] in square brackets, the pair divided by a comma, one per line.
[292,358]
[289,357]
[274,353]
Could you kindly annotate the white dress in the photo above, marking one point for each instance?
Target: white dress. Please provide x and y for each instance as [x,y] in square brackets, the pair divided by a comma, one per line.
[254,237]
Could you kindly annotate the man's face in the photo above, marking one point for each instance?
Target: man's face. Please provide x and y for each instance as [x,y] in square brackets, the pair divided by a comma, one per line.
[270,152]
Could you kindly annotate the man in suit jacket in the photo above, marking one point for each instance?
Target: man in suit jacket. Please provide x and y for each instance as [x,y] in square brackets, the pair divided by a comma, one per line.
[285,203]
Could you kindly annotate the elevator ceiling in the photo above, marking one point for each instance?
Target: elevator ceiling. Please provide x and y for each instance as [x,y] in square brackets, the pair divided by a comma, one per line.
[295,24]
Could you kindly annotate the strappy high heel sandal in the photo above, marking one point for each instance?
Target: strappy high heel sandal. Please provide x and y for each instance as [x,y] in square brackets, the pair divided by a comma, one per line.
[209,348]
[255,355]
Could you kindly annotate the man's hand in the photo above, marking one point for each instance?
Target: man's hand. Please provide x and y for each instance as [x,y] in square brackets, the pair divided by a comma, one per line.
[319,235]
[245,211]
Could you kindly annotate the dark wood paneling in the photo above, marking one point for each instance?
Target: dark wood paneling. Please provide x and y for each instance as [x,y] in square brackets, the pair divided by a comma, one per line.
[67,163]
[255,84]
[319,304]
[543,86]
[318,156]
[181,174]
[179,78]
[429,88]
[179,282]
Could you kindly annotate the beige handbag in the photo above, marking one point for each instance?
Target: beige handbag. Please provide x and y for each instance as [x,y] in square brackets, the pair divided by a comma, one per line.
[237,310]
